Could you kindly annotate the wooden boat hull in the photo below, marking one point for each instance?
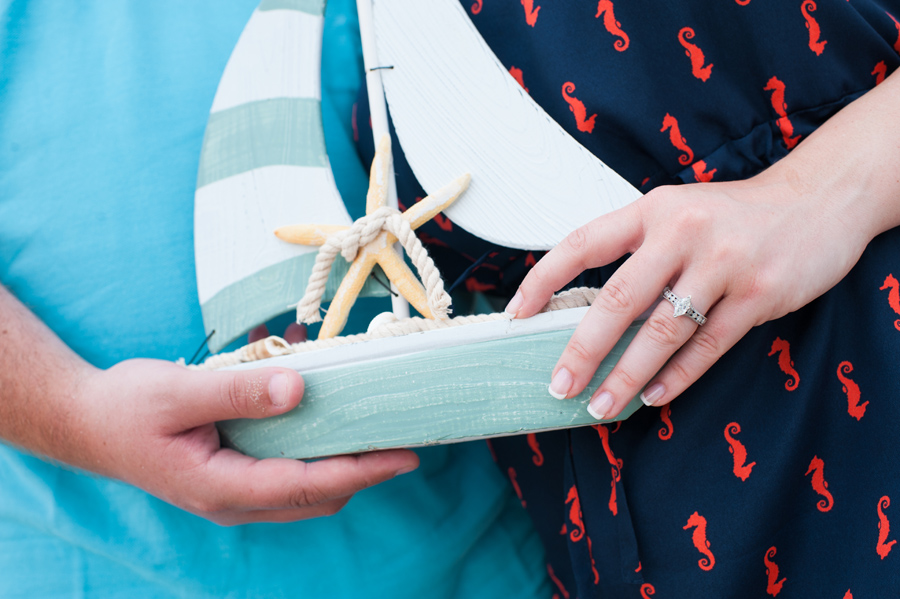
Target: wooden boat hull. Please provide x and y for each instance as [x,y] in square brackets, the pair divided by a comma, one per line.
[473,381]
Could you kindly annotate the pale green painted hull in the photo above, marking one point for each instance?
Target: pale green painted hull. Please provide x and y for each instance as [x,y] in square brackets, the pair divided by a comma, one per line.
[476,390]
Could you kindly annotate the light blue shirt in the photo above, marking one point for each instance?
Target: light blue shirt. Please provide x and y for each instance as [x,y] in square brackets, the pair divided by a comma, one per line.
[103,105]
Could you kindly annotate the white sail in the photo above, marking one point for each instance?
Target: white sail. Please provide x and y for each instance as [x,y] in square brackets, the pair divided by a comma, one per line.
[263,165]
[456,109]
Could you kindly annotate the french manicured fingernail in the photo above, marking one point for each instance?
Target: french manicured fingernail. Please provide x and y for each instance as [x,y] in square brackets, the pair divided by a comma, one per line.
[653,394]
[515,304]
[561,383]
[600,405]
[404,470]
[278,390]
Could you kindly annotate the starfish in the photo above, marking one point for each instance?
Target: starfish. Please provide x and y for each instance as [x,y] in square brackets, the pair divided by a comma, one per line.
[379,251]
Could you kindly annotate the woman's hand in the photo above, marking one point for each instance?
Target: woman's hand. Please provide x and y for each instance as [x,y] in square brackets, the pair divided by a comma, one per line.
[746,252]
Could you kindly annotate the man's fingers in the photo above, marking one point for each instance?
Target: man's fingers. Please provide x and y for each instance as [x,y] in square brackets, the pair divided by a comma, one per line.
[198,398]
[235,482]
[280,516]
[597,243]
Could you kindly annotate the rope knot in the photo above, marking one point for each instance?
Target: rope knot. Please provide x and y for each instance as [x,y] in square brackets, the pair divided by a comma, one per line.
[348,243]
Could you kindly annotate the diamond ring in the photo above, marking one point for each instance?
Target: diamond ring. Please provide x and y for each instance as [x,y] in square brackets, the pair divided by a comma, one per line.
[683,307]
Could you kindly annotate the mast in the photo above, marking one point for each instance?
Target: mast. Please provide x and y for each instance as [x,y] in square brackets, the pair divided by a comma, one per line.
[378,110]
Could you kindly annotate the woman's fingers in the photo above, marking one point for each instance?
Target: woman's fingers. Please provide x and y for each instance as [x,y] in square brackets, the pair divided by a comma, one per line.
[629,292]
[728,322]
[597,243]
[657,340]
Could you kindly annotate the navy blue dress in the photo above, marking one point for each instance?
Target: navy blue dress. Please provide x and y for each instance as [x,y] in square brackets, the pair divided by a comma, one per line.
[778,472]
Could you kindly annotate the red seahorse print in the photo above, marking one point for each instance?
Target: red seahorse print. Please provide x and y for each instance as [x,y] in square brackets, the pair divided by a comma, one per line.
[848,595]
[584,123]
[558,583]
[743,2]
[783,349]
[575,515]
[698,523]
[615,463]
[647,590]
[701,175]
[776,86]
[897,25]
[512,477]
[693,52]
[473,285]
[773,588]
[665,432]
[893,296]
[884,529]
[670,123]
[851,389]
[593,563]
[738,451]
[819,484]
[442,221]
[605,8]
[531,12]
[812,25]
[476,8]
[879,71]
[538,457]
[517,75]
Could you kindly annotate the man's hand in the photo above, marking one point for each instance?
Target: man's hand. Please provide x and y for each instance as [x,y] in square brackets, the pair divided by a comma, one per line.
[150,423]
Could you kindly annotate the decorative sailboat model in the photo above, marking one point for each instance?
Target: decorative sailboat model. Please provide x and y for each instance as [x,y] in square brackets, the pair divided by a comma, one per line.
[478,144]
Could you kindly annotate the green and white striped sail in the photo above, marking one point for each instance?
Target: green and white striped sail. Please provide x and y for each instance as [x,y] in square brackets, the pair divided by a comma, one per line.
[263,165]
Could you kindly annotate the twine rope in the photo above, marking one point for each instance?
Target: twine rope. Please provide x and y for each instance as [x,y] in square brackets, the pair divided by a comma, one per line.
[347,243]
[276,346]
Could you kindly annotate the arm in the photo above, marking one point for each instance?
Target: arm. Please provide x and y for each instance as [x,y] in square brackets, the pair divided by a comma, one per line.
[748,252]
[150,423]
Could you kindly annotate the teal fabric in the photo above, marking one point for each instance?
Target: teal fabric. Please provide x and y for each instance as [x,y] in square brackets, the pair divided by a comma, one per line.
[102,110]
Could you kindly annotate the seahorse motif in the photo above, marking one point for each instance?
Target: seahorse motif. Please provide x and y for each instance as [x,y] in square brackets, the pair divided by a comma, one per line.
[647,590]
[476,8]
[848,595]
[538,457]
[738,451]
[517,75]
[615,463]
[884,529]
[698,537]
[558,583]
[694,52]
[701,175]
[582,121]
[670,123]
[593,563]
[773,588]
[531,13]
[783,349]
[879,71]
[776,86]
[473,285]
[819,485]
[512,477]
[575,515]
[605,8]
[893,296]
[897,25]
[443,222]
[743,2]
[665,432]
[851,389]
[812,25]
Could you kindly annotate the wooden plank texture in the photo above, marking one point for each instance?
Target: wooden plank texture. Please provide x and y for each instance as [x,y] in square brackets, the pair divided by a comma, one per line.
[488,388]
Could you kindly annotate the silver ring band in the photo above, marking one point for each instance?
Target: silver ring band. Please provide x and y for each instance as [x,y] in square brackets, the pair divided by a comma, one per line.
[683,307]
